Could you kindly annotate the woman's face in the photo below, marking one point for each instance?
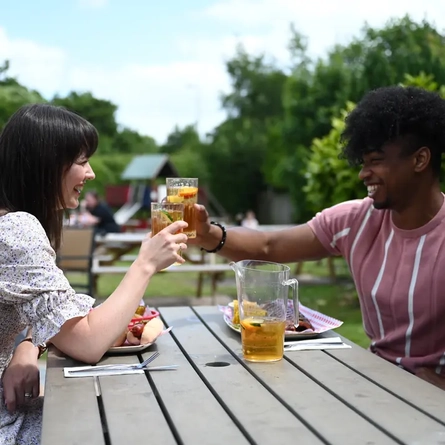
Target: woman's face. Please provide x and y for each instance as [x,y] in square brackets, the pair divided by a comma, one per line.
[74,180]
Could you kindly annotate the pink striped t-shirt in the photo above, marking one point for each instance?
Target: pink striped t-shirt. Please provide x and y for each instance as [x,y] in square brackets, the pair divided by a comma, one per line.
[399,276]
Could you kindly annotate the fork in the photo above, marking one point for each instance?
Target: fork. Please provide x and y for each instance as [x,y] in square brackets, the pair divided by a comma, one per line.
[152,357]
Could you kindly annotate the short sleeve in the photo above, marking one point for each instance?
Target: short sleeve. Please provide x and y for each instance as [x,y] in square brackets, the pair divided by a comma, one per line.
[31,281]
[334,225]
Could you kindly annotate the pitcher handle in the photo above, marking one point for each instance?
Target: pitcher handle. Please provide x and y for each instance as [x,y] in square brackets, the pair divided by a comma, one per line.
[293,283]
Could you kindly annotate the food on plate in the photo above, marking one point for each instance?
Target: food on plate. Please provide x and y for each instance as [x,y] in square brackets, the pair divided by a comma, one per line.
[252,309]
[132,339]
[140,332]
[152,330]
[303,324]
[137,329]
[235,318]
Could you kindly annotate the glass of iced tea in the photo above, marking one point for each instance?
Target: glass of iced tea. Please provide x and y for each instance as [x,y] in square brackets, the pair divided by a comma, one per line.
[163,214]
[184,191]
[262,289]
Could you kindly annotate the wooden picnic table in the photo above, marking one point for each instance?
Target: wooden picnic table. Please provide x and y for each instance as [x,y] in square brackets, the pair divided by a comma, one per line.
[346,396]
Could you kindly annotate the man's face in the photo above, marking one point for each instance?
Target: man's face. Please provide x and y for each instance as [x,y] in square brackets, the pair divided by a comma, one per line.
[389,177]
[90,200]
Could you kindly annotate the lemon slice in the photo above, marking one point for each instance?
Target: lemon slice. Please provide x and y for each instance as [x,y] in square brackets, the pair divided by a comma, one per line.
[257,322]
[175,199]
[188,192]
[166,218]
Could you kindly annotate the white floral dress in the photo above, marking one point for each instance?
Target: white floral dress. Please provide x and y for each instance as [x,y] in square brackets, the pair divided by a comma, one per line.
[35,293]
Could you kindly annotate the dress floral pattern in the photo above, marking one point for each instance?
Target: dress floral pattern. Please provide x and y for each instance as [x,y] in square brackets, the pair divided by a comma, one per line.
[33,292]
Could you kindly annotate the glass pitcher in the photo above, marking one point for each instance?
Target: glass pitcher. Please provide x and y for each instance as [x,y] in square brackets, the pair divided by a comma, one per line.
[264,307]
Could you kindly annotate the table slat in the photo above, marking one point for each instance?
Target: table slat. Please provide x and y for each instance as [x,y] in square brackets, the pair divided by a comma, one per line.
[263,417]
[195,412]
[129,403]
[398,418]
[311,401]
[407,386]
[70,410]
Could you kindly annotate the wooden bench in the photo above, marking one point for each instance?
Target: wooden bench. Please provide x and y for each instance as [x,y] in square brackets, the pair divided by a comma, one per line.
[193,264]
[76,256]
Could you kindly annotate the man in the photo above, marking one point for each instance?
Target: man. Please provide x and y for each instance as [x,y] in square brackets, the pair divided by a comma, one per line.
[99,215]
[392,240]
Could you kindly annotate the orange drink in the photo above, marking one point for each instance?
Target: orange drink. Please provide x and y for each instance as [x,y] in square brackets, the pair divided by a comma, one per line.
[262,289]
[164,214]
[262,339]
[185,191]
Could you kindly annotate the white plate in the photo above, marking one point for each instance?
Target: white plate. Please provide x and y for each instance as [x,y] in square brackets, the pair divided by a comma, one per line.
[289,335]
[128,349]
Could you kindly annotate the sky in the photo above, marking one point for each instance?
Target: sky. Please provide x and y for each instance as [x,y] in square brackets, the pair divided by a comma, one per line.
[163,63]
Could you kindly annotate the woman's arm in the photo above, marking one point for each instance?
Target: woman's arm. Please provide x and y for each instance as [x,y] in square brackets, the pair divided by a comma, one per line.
[88,338]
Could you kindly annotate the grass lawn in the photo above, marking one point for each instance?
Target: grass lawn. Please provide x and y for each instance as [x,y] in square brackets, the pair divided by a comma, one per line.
[339,300]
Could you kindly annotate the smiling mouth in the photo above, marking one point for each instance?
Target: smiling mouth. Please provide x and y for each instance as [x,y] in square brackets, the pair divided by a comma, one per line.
[372,189]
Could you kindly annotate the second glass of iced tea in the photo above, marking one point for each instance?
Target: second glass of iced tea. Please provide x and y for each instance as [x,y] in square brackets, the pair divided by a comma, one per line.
[184,191]
[163,214]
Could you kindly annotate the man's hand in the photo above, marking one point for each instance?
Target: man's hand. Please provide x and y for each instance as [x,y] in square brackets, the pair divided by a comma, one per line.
[430,376]
[22,376]
[202,225]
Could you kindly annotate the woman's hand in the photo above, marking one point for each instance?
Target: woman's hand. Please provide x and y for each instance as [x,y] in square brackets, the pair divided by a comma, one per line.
[162,249]
[22,376]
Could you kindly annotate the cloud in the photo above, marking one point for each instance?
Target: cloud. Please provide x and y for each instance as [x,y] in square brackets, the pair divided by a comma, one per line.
[92,4]
[325,22]
[152,99]
[37,66]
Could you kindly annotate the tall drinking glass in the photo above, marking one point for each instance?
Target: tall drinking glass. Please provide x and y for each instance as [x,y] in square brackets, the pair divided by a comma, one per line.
[185,191]
[163,214]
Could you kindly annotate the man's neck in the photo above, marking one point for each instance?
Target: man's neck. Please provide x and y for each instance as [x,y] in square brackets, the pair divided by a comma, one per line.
[421,210]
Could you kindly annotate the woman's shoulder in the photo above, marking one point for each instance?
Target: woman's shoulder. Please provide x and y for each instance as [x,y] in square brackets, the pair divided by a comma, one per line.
[21,227]
[18,219]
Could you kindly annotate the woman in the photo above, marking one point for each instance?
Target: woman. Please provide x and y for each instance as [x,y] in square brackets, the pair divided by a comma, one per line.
[44,154]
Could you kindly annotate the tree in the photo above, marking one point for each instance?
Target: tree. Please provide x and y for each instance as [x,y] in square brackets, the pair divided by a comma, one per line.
[180,138]
[330,180]
[316,91]
[13,95]
[101,113]
[130,141]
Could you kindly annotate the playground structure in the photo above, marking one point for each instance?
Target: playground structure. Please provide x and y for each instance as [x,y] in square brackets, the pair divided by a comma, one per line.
[143,174]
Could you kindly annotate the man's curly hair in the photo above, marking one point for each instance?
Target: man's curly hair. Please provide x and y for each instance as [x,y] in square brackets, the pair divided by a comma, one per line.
[412,116]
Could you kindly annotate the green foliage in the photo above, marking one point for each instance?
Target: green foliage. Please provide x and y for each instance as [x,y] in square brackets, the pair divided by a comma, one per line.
[13,95]
[130,141]
[101,113]
[108,170]
[234,160]
[330,180]
[181,138]
[282,125]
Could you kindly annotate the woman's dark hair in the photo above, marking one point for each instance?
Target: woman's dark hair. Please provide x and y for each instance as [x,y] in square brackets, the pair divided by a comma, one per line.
[410,116]
[38,145]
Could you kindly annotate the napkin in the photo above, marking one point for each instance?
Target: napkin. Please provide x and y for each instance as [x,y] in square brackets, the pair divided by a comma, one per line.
[315,344]
[90,371]
[319,346]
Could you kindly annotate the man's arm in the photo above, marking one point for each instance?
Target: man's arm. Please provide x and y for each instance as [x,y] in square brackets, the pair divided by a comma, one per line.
[298,243]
